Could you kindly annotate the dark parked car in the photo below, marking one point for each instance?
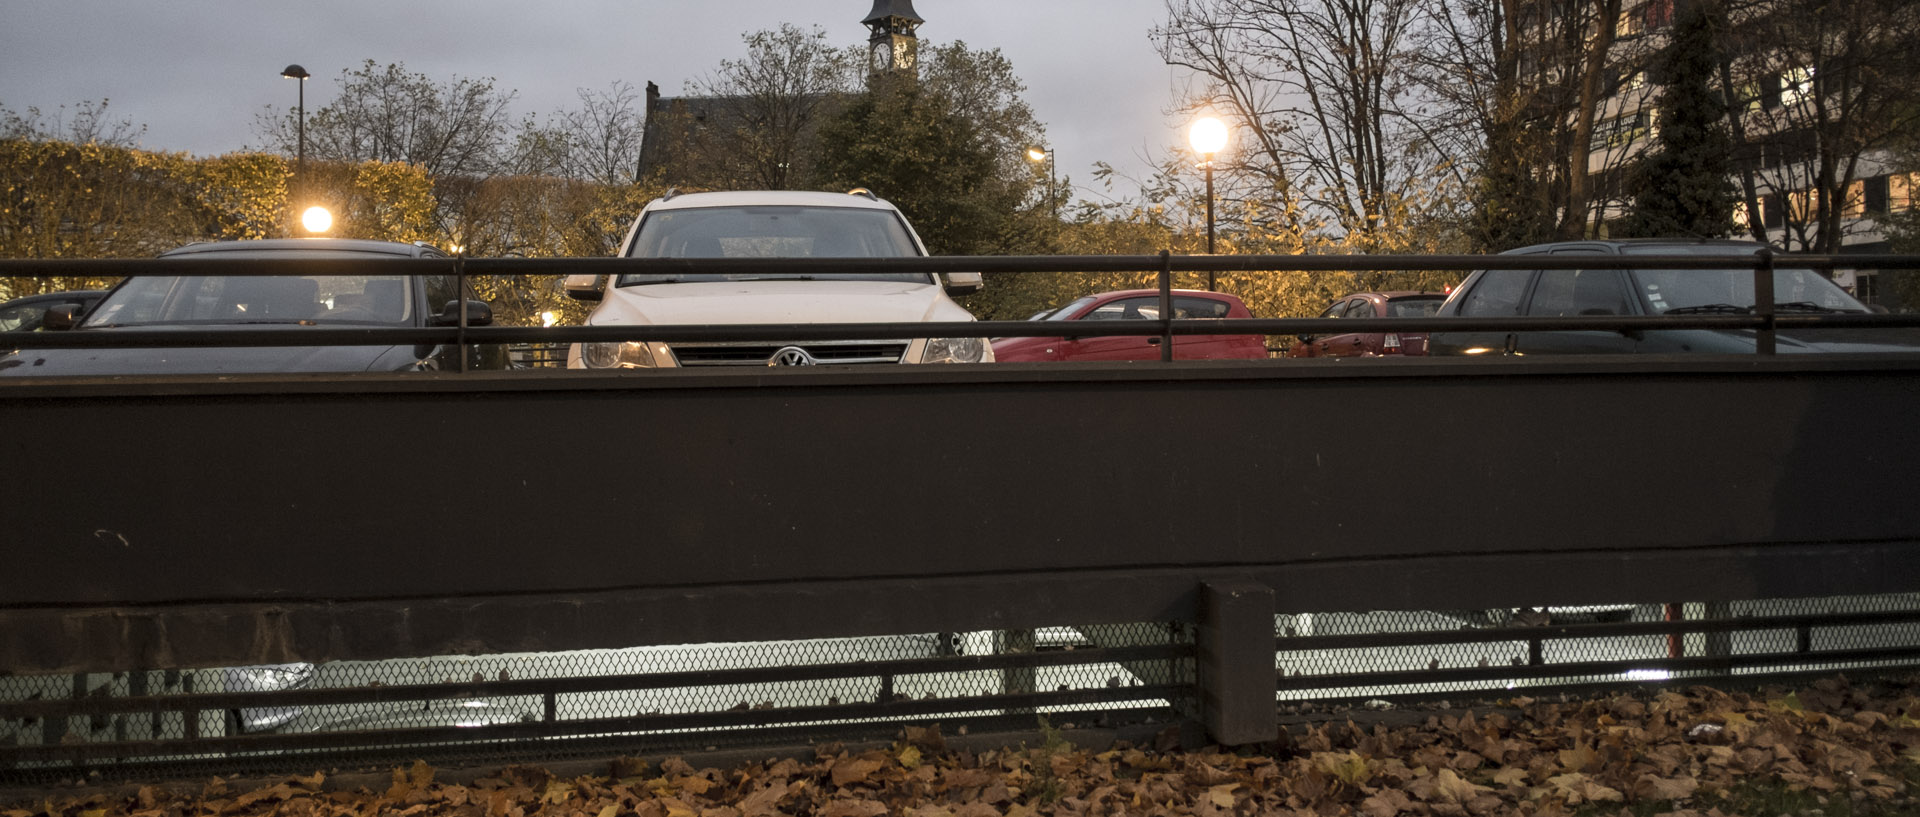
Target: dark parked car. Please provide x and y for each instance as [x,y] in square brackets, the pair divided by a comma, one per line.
[365,297]
[1371,344]
[1135,304]
[26,314]
[1585,292]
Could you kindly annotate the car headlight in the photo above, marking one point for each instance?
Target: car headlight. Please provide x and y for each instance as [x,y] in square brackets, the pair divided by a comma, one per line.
[955,350]
[631,354]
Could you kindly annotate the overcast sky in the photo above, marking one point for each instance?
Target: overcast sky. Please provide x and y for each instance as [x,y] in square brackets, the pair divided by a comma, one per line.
[196,72]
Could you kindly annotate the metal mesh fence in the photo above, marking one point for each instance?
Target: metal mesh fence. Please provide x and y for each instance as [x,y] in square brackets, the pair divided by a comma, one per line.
[541,707]
[544,706]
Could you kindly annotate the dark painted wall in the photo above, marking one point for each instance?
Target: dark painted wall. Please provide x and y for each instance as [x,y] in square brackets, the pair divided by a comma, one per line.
[193,522]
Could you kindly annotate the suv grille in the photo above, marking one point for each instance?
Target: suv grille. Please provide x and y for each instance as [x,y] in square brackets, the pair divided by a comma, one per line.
[825,353]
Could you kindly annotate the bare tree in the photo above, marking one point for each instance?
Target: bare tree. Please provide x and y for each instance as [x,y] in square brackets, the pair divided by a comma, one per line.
[457,127]
[88,124]
[750,122]
[1822,90]
[597,142]
[1323,96]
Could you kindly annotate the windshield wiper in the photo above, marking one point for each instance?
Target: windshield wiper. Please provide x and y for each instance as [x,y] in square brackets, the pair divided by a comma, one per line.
[1808,306]
[1726,309]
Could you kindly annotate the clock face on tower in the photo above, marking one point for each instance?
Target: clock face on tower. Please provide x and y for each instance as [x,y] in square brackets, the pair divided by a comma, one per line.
[892,53]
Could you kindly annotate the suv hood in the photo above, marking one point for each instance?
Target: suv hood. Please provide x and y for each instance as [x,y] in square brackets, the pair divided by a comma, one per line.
[780,301]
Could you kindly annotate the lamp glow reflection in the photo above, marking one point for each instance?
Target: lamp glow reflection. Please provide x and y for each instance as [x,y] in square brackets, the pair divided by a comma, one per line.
[316,219]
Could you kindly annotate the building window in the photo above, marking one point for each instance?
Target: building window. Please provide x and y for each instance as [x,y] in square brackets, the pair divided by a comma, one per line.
[1772,211]
[1900,192]
[1854,205]
[1796,85]
[1622,130]
[1874,194]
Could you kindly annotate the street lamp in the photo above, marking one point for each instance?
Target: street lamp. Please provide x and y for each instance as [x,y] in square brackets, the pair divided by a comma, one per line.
[316,219]
[295,72]
[1040,154]
[1208,136]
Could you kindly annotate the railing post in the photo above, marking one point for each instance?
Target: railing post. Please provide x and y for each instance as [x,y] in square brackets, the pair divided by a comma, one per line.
[1166,306]
[1233,651]
[1763,301]
[460,290]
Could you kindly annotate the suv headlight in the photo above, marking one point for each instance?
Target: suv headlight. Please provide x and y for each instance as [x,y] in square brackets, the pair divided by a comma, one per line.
[628,355]
[955,350]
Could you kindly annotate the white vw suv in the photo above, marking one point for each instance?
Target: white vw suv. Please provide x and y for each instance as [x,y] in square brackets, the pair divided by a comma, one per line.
[773,224]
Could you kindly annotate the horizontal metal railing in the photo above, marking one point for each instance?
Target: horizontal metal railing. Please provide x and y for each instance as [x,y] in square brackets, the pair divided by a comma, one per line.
[1764,320]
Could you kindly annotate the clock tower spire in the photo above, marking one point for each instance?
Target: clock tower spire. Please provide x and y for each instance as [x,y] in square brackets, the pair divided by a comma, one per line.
[893,45]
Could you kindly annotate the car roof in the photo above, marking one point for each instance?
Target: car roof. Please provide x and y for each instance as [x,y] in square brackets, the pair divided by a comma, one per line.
[56,296]
[749,198]
[1391,294]
[1118,293]
[308,246]
[1617,243]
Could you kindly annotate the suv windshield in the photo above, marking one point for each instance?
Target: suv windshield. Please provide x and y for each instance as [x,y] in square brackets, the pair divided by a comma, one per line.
[1668,290]
[773,231]
[233,299]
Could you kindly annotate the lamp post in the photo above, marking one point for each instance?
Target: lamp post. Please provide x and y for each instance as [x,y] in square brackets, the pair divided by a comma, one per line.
[299,75]
[1040,154]
[1208,136]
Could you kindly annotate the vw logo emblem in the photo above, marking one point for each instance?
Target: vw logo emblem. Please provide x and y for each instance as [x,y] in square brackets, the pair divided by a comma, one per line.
[791,356]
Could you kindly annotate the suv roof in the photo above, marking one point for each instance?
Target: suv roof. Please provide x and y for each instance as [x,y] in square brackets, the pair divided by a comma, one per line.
[344,245]
[1614,244]
[744,198]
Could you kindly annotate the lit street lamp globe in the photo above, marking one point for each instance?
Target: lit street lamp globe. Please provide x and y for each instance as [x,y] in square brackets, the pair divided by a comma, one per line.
[1207,136]
[316,219]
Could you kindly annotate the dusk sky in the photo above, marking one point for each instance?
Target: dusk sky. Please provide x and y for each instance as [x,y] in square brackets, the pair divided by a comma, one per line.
[196,72]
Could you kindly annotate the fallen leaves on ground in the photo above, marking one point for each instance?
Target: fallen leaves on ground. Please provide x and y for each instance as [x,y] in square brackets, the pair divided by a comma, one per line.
[1528,758]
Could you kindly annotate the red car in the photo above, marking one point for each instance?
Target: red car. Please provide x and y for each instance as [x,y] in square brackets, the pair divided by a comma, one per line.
[1372,344]
[1135,304]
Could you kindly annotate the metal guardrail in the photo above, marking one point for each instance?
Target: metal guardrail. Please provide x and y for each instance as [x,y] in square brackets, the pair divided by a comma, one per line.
[1765,320]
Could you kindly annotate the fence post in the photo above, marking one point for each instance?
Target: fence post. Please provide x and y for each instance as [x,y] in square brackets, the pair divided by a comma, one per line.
[1233,653]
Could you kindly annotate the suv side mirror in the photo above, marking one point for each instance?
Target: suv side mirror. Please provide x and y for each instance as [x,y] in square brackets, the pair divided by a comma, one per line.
[478,314]
[583,287]
[60,318]
[964,283]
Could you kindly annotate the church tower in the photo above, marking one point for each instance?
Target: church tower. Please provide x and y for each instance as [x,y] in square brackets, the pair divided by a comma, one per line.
[893,46]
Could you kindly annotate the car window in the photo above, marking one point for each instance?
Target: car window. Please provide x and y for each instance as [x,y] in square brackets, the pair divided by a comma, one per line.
[1337,310]
[1199,308]
[1126,309]
[24,318]
[1414,307]
[772,231]
[1563,292]
[1068,311]
[1496,294]
[231,299]
[1361,308]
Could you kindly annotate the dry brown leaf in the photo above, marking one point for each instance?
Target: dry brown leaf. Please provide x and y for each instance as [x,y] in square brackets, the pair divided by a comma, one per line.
[1387,803]
[1651,787]
[1454,788]
[1578,788]
[1511,776]
[1221,796]
[848,771]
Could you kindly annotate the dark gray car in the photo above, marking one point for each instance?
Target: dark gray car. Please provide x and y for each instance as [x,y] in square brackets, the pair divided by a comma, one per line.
[365,296]
[1588,292]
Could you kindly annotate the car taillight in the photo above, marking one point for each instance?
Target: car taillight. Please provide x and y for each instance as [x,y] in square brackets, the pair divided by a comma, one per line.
[1391,345]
